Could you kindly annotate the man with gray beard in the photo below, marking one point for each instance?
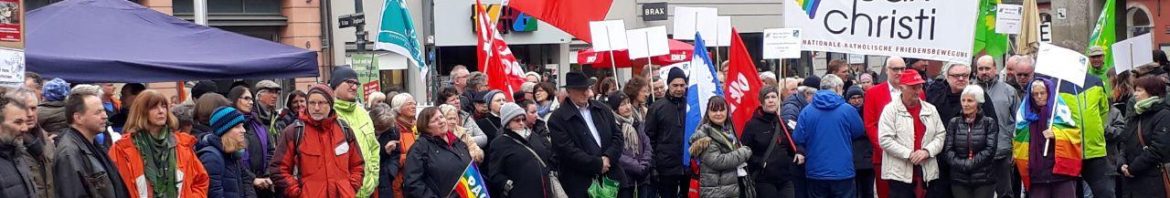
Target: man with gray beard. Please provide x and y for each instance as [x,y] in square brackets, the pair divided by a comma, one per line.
[17,180]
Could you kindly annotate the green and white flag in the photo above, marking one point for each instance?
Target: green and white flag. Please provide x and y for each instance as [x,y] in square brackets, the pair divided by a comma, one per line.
[396,34]
[1104,35]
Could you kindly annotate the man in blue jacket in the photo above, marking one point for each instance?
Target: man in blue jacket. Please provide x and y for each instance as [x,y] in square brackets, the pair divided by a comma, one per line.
[825,131]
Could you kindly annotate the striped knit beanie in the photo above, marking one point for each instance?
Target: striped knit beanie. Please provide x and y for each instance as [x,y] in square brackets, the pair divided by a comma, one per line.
[224,119]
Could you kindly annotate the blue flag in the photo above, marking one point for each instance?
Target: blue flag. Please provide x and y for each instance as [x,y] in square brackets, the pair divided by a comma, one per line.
[396,34]
[702,85]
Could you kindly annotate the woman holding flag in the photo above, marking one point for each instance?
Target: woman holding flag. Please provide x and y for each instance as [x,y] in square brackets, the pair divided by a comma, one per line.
[1034,144]
[1146,142]
[722,157]
[437,161]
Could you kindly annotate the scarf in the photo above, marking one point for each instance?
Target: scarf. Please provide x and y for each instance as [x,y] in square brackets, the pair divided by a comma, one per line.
[1144,105]
[158,156]
[629,133]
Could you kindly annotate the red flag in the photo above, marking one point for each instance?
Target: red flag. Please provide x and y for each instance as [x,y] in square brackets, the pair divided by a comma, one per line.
[743,84]
[495,58]
[572,16]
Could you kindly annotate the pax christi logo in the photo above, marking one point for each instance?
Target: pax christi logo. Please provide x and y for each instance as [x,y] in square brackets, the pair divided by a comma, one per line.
[809,7]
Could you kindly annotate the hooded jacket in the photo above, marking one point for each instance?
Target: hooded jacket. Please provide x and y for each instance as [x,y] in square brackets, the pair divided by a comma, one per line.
[51,116]
[227,172]
[792,107]
[194,180]
[1090,107]
[970,149]
[337,168]
[720,156]
[825,132]
[664,125]
[367,141]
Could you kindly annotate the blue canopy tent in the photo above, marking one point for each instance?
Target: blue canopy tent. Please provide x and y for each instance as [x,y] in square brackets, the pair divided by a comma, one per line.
[120,41]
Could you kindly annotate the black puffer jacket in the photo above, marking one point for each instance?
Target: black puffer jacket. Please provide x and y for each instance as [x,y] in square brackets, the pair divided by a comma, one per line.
[664,125]
[970,149]
[1146,142]
[757,134]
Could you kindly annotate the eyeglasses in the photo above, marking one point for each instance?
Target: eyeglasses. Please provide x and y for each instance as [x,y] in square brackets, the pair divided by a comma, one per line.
[959,76]
[897,69]
[354,82]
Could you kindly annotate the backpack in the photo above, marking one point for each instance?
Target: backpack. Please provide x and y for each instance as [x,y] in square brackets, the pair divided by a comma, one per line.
[300,132]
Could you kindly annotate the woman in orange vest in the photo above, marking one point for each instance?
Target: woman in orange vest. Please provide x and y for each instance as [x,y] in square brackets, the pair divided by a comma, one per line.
[156,160]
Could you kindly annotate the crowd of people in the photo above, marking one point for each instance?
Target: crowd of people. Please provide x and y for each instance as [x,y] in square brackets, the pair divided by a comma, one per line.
[970,132]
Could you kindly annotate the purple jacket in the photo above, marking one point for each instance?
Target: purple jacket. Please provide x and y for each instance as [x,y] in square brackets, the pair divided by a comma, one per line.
[636,166]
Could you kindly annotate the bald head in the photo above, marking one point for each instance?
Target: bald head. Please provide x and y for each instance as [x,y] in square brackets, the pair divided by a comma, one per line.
[894,67]
[985,69]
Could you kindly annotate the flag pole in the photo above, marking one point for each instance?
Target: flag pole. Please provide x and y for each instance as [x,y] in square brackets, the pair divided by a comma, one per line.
[1052,117]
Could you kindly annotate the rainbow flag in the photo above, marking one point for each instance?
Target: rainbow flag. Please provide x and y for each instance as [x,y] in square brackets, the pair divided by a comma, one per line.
[471,184]
[809,7]
[1067,141]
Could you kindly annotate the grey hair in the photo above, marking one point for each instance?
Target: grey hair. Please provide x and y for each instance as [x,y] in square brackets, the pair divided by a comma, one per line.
[185,113]
[831,82]
[767,75]
[952,65]
[985,59]
[975,91]
[20,93]
[806,90]
[380,115]
[86,90]
[527,87]
[1027,60]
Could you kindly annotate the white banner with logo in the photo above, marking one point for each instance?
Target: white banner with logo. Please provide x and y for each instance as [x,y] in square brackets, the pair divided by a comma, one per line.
[935,30]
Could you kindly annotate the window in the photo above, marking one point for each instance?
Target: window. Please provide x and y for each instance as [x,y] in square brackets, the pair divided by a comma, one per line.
[231,6]
[1138,21]
[34,4]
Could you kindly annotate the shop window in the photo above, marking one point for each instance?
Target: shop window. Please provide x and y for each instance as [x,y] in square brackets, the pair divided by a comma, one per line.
[231,6]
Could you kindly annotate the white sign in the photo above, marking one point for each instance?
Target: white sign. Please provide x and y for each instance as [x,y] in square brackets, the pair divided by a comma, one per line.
[1007,18]
[1062,13]
[1133,52]
[856,59]
[11,67]
[1062,63]
[723,31]
[934,30]
[688,20]
[648,42]
[780,43]
[608,35]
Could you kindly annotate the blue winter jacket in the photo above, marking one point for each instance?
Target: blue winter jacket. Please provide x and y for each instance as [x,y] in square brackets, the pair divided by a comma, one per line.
[792,107]
[826,130]
[226,171]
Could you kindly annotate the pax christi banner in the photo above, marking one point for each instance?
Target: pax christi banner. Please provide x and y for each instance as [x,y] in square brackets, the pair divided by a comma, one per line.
[495,58]
[470,184]
[743,83]
[935,30]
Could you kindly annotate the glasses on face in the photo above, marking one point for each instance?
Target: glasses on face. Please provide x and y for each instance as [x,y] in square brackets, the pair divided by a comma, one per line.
[351,81]
[1023,75]
[318,103]
[959,76]
[246,97]
[897,69]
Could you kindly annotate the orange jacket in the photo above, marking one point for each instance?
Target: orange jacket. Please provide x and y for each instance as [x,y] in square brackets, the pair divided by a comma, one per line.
[193,180]
[407,138]
[326,168]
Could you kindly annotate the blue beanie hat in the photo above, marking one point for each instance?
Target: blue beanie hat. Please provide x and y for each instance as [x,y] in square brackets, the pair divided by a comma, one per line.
[55,90]
[224,118]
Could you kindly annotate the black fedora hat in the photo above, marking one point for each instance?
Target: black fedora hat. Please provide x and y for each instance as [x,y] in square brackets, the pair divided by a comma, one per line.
[577,80]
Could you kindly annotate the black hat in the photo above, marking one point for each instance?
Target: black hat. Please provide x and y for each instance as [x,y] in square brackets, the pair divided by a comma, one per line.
[340,74]
[812,81]
[202,87]
[675,72]
[577,80]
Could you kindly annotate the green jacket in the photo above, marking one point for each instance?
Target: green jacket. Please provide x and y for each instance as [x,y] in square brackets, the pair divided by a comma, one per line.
[1102,75]
[363,129]
[1090,109]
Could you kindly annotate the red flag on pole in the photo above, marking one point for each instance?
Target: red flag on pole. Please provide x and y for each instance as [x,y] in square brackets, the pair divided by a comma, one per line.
[743,84]
[495,58]
[572,16]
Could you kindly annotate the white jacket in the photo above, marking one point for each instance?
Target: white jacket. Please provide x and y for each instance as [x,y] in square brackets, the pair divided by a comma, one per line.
[896,137]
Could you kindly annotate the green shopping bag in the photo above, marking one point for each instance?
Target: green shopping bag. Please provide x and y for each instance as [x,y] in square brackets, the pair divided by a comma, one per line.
[603,188]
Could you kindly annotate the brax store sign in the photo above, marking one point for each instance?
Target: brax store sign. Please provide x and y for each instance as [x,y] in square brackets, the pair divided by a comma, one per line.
[926,29]
[654,11]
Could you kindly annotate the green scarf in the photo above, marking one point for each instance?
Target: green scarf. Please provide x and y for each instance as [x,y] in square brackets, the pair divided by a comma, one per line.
[158,158]
[1144,105]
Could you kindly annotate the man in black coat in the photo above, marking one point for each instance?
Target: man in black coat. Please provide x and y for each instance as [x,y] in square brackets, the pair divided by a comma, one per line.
[82,166]
[664,126]
[586,140]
